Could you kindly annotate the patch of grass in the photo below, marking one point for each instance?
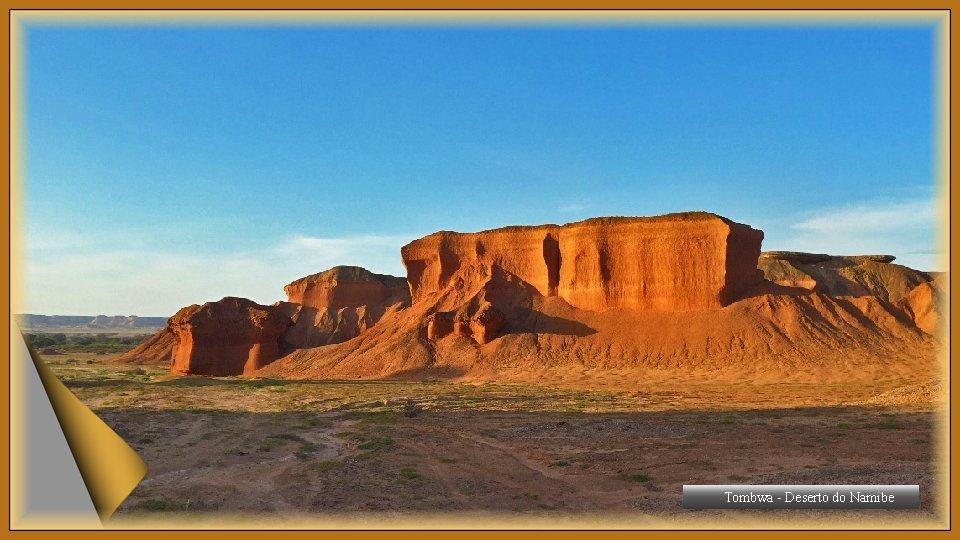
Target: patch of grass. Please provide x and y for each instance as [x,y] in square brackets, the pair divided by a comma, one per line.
[162,505]
[410,473]
[639,477]
[845,425]
[307,448]
[886,425]
[736,478]
[378,418]
[492,433]
[917,441]
[447,460]
[560,463]
[727,419]
[375,444]
[270,443]
[325,466]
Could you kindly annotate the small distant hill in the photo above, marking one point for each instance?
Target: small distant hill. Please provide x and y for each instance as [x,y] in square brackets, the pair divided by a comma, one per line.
[87,323]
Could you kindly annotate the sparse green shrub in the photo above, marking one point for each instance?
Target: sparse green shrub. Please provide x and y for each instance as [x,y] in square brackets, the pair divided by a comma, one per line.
[325,466]
[410,473]
[162,505]
[412,409]
[375,444]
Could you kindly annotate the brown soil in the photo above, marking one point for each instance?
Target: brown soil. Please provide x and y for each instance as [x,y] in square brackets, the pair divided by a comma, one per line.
[283,449]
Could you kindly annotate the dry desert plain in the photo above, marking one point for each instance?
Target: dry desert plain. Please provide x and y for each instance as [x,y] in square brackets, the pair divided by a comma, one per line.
[272,446]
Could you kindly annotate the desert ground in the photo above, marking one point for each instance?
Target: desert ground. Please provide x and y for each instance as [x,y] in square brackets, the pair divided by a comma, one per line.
[274,447]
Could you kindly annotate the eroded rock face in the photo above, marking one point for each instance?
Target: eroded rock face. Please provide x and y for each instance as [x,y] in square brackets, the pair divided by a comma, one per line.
[530,253]
[910,292]
[337,304]
[679,262]
[676,262]
[232,336]
[482,326]
[923,306]
[345,286]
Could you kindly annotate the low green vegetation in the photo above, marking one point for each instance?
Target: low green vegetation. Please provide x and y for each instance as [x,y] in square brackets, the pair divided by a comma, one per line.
[307,448]
[639,477]
[410,473]
[105,343]
[376,444]
[162,505]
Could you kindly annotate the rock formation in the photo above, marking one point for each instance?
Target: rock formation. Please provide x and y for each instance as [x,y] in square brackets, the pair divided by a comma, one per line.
[236,336]
[337,304]
[232,336]
[615,299]
[627,298]
[677,262]
[902,289]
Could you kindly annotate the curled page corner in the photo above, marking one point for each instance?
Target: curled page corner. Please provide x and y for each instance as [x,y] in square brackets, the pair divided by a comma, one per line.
[109,467]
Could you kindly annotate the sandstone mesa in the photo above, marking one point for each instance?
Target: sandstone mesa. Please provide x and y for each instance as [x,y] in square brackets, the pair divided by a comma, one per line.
[639,297]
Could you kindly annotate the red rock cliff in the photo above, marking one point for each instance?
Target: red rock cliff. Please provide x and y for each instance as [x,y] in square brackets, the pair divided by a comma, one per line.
[232,336]
[676,262]
[337,304]
[530,253]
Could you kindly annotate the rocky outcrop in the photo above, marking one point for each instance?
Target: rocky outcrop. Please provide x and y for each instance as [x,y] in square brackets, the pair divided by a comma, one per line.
[909,292]
[444,258]
[614,299]
[923,306]
[481,326]
[636,299]
[232,336]
[337,304]
[237,336]
[676,262]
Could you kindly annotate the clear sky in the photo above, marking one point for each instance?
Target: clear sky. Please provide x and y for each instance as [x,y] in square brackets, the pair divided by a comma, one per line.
[168,166]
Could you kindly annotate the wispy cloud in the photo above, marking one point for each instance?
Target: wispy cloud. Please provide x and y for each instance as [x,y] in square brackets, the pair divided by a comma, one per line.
[871,217]
[906,229]
[573,208]
[110,278]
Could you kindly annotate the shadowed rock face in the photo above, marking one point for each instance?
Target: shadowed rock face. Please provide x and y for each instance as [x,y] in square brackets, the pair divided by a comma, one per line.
[911,292]
[337,304]
[232,336]
[346,286]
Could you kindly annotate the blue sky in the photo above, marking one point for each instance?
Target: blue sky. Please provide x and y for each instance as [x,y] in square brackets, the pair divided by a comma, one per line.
[176,165]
